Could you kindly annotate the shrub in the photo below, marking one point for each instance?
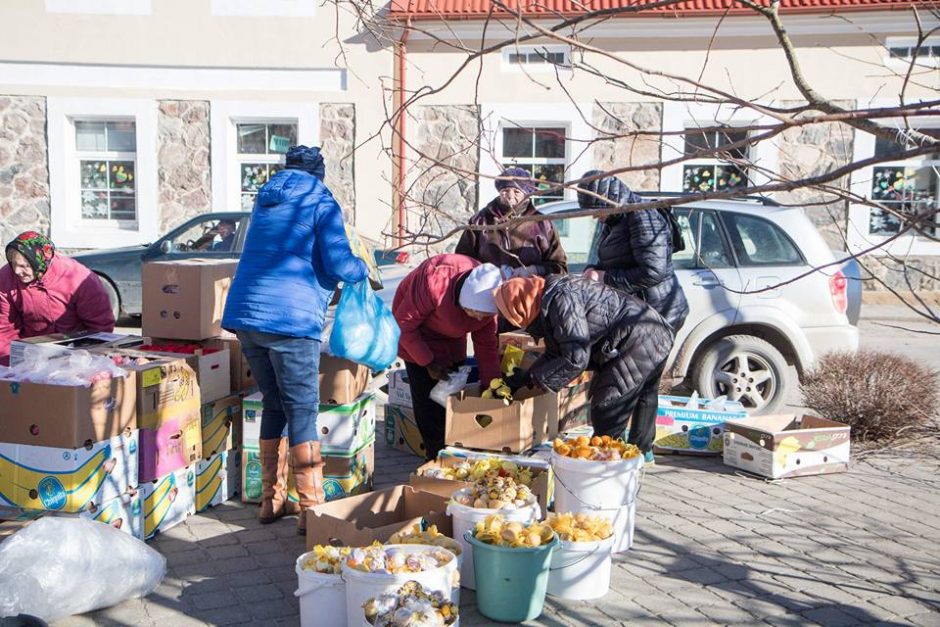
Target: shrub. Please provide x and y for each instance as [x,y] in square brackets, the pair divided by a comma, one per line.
[876,393]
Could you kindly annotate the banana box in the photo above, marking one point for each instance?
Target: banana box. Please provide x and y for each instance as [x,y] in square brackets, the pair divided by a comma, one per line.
[124,513]
[401,430]
[169,500]
[173,445]
[221,425]
[787,445]
[68,480]
[686,425]
[399,388]
[341,428]
[217,479]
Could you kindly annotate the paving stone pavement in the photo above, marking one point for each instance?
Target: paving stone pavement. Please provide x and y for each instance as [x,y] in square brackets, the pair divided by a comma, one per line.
[713,547]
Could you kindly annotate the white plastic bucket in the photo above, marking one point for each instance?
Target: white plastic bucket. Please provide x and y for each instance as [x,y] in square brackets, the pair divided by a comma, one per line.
[366,623]
[581,570]
[465,519]
[362,586]
[322,597]
[606,489]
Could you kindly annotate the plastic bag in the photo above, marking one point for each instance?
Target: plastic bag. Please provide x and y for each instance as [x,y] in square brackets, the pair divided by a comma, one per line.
[72,367]
[451,385]
[57,567]
[364,330]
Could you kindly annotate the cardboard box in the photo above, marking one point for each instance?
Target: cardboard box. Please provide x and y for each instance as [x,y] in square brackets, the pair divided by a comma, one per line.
[692,430]
[167,387]
[787,445]
[521,340]
[242,378]
[491,425]
[68,479]
[399,388]
[185,299]
[124,512]
[572,406]
[401,430]
[217,479]
[168,501]
[221,425]
[341,381]
[211,365]
[361,520]
[58,344]
[250,475]
[175,444]
[342,428]
[68,416]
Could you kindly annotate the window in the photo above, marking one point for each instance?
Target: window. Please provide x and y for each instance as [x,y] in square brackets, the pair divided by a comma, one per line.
[106,157]
[261,149]
[709,173]
[757,242]
[906,187]
[538,55]
[905,49]
[539,150]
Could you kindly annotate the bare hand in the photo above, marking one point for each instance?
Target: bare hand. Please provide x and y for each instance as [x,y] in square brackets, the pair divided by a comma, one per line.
[437,373]
[594,274]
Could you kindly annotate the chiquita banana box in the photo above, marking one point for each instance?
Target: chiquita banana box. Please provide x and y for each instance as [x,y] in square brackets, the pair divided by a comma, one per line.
[217,479]
[692,425]
[221,425]
[168,500]
[124,513]
[68,480]
[401,430]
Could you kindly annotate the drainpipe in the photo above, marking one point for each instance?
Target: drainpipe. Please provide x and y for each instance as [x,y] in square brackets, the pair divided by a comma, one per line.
[400,126]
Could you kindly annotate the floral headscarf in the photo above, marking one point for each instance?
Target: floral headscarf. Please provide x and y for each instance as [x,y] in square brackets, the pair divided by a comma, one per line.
[37,248]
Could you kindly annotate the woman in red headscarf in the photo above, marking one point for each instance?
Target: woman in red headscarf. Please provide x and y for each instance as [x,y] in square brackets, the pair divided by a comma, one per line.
[42,292]
[590,326]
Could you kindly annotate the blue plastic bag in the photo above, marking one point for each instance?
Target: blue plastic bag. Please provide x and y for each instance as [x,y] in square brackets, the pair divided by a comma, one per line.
[364,331]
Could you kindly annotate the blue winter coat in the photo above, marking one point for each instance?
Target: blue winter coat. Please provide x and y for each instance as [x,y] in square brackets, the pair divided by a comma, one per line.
[295,253]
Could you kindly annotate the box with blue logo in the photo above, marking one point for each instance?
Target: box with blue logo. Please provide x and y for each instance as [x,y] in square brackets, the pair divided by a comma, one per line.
[168,500]
[42,478]
[692,425]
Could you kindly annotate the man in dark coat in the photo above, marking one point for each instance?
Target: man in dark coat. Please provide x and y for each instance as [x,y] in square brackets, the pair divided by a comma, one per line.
[589,326]
[635,249]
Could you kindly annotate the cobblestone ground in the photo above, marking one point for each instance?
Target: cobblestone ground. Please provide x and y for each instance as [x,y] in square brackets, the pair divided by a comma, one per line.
[713,547]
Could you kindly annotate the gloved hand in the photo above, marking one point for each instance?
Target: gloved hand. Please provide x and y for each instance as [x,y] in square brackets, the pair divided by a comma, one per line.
[609,187]
[518,379]
[437,373]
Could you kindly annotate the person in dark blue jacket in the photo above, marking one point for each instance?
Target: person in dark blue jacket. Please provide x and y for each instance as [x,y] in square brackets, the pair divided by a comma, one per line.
[634,254]
[295,253]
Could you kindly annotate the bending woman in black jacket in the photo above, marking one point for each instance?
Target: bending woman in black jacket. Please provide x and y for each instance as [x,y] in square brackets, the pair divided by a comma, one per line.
[589,326]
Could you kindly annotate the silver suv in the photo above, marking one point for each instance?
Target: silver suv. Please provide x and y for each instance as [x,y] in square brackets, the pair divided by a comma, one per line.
[740,338]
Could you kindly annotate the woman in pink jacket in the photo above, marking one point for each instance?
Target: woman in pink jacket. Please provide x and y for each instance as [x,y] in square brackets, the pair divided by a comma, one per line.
[43,293]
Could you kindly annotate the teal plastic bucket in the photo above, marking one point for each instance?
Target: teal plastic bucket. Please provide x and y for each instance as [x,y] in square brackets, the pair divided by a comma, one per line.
[513,581]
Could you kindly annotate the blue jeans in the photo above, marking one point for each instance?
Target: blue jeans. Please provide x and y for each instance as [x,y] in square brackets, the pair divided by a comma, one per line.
[287,371]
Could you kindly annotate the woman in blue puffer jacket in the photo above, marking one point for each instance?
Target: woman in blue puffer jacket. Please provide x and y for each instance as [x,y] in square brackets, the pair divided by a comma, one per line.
[295,253]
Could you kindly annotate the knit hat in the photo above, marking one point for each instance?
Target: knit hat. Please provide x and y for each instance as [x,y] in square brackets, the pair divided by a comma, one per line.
[522,180]
[37,249]
[519,300]
[307,159]
[477,290]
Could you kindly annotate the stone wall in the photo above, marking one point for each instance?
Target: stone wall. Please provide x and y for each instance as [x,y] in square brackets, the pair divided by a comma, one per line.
[183,173]
[448,135]
[914,273]
[620,118]
[813,150]
[337,140]
[24,167]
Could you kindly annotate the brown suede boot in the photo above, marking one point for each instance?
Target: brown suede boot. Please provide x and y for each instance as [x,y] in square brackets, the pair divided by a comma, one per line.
[307,464]
[274,503]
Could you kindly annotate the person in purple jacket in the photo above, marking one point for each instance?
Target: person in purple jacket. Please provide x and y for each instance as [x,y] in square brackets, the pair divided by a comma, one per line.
[295,254]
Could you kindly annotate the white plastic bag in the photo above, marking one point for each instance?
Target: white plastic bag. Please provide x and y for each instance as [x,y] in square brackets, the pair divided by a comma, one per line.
[451,385]
[57,567]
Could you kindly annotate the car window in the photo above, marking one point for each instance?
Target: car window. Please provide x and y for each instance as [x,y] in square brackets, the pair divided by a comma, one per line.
[577,237]
[686,259]
[209,236]
[712,250]
[758,242]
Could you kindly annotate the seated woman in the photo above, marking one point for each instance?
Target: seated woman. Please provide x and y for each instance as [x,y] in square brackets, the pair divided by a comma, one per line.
[41,293]
[590,326]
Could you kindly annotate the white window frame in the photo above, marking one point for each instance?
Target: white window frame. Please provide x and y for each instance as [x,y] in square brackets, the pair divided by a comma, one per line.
[68,228]
[858,236]
[924,61]
[711,161]
[100,7]
[677,116]
[226,163]
[109,156]
[578,133]
[264,8]
[537,68]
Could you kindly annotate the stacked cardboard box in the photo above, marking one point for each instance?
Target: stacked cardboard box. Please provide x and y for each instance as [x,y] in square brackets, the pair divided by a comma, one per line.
[401,429]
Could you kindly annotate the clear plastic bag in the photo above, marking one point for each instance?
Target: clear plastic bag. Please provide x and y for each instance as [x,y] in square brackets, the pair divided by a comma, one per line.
[364,330]
[57,567]
[72,367]
[451,385]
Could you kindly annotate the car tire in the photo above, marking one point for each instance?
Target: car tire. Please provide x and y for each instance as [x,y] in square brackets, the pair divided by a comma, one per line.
[113,297]
[766,376]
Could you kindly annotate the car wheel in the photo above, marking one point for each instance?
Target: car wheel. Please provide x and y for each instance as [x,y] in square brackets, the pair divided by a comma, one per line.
[113,297]
[744,368]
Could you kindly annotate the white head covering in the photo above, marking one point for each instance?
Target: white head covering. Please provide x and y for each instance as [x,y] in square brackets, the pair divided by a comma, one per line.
[477,290]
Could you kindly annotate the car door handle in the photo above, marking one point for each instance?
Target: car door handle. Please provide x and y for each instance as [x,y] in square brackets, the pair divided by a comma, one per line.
[706,280]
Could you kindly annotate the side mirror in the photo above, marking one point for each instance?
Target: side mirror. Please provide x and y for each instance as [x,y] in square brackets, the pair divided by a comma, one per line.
[166,247]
